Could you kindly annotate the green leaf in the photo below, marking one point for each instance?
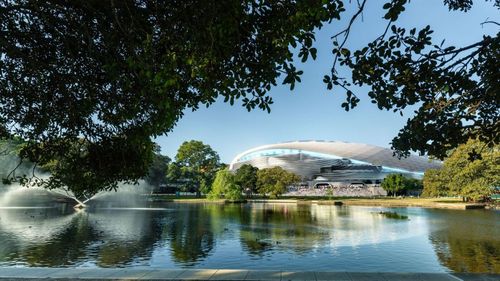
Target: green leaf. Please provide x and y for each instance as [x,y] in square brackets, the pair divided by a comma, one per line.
[313,53]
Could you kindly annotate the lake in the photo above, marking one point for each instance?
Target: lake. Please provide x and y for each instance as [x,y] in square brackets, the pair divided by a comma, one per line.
[252,236]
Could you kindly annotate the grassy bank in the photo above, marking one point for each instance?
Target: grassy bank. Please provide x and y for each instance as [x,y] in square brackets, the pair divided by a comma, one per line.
[189,199]
[439,203]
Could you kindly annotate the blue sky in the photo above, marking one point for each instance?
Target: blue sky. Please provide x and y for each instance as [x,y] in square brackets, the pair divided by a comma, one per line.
[312,112]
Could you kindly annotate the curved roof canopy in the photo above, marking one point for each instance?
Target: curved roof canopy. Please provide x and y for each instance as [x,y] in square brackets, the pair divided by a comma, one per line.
[356,152]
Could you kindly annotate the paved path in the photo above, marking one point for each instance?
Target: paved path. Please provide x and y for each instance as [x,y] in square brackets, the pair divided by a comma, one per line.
[87,274]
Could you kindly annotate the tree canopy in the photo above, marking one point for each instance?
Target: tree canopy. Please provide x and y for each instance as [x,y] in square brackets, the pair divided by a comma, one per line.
[456,88]
[397,184]
[224,185]
[393,183]
[274,181]
[87,84]
[157,174]
[195,166]
[246,178]
[472,179]
[434,184]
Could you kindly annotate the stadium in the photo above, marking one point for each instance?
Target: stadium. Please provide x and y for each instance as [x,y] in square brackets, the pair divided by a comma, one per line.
[340,165]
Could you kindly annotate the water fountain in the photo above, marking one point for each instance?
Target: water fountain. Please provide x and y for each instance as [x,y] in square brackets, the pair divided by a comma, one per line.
[14,192]
[126,195]
[10,165]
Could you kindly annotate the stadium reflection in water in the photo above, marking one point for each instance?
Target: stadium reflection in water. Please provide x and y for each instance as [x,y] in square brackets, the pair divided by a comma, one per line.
[254,236]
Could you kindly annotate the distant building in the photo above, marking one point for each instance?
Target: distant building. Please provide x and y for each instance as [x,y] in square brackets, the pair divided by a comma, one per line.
[334,163]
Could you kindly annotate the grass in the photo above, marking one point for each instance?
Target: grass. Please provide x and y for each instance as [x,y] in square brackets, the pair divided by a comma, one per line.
[192,199]
[442,203]
[172,196]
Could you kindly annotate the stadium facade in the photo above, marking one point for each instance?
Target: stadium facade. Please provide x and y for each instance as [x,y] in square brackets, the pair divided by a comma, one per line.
[334,163]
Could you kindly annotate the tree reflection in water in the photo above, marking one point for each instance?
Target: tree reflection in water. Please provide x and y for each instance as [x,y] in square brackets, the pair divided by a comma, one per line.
[125,235]
[467,241]
[201,235]
[190,236]
[281,227]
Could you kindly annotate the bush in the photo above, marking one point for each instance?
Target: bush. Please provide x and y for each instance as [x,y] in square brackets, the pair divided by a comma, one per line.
[224,186]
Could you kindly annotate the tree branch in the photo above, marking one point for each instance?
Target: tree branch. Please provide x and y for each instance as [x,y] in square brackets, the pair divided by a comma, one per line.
[346,31]
[13,172]
[490,21]
[482,43]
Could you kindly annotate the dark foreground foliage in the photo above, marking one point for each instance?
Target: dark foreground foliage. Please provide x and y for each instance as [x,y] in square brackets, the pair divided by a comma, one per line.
[86,85]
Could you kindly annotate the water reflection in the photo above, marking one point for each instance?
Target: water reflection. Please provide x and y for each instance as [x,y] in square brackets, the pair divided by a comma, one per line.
[35,223]
[468,241]
[190,235]
[270,236]
[124,234]
[43,237]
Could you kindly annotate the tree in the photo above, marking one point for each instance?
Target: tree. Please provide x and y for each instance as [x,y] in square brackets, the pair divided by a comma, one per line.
[467,173]
[246,177]
[104,77]
[224,185]
[195,164]
[78,173]
[88,84]
[394,184]
[178,177]
[435,183]
[274,181]
[10,164]
[456,88]
[397,184]
[474,179]
[157,175]
[413,184]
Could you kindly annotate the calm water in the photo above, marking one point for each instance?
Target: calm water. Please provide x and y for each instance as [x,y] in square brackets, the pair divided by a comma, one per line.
[252,236]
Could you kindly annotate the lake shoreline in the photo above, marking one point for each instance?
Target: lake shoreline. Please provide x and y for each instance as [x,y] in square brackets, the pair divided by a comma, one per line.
[434,203]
